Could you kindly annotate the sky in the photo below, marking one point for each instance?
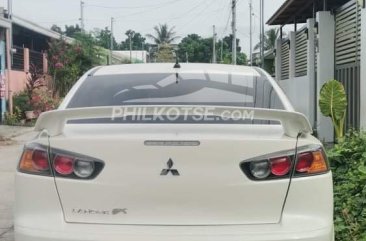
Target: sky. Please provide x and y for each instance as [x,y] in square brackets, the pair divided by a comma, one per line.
[188,16]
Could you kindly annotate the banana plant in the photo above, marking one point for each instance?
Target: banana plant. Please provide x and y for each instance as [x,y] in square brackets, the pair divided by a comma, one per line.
[333,104]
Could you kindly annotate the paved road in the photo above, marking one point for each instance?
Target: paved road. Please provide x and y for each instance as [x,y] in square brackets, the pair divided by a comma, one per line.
[9,154]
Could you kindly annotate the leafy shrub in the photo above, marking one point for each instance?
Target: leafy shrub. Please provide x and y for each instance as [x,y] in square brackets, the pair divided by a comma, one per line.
[35,79]
[42,100]
[67,62]
[348,161]
[13,119]
[21,102]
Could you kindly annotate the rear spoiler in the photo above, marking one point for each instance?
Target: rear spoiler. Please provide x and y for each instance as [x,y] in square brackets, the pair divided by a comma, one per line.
[54,121]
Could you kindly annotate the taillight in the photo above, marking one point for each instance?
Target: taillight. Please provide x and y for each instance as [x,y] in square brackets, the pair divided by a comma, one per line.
[260,169]
[63,165]
[310,160]
[315,164]
[280,166]
[304,162]
[83,168]
[40,160]
[36,160]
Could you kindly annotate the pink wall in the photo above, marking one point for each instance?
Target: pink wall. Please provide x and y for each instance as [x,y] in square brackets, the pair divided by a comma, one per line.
[18,81]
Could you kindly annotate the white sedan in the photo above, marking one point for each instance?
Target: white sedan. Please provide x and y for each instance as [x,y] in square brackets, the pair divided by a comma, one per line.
[164,152]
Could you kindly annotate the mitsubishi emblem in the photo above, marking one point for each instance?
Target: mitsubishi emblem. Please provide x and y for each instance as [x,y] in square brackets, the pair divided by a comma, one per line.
[170,164]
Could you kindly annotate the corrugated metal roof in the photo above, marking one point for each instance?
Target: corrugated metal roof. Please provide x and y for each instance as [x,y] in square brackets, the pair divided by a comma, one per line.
[299,11]
[39,29]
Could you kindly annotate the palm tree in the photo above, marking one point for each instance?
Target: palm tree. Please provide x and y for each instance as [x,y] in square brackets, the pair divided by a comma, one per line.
[270,38]
[163,34]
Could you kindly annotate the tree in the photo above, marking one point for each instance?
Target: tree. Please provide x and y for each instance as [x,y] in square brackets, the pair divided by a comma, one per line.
[137,40]
[163,34]
[56,28]
[198,49]
[71,30]
[228,42]
[67,62]
[241,59]
[270,38]
[165,54]
[90,54]
[130,33]
[103,38]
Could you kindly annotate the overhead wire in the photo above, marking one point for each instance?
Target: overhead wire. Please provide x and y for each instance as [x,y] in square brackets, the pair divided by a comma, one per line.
[197,16]
[186,13]
[227,24]
[134,7]
[59,21]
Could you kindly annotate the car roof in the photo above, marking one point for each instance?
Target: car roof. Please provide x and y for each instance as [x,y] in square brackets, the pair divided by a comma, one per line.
[168,68]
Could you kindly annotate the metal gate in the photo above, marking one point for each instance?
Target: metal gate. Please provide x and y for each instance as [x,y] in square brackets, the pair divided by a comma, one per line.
[347,57]
[301,52]
[285,59]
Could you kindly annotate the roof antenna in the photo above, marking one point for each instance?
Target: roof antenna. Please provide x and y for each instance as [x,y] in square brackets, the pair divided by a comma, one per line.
[176,66]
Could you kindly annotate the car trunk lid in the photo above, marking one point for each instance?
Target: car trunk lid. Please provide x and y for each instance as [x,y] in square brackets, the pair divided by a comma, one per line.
[210,189]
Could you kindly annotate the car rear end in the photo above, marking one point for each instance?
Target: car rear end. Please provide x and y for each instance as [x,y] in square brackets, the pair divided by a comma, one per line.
[149,152]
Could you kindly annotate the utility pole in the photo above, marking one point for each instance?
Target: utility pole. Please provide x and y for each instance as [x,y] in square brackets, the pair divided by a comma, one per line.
[149,49]
[10,9]
[250,32]
[111,44]
[9,54]
[82,26]
[262,32]
[214,45]
[187,57]
[222,51]
[130,37]
[233,3]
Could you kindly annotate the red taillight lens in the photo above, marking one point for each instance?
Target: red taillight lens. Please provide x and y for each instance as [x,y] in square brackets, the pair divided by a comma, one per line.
[304,162]
[63,165]
[280,166]
[40,160]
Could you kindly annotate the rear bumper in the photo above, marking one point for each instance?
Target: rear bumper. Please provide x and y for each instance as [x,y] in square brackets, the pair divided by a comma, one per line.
[308,216]
[81,232]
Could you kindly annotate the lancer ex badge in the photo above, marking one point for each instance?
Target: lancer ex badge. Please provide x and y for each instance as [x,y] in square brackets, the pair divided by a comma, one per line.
[165,172]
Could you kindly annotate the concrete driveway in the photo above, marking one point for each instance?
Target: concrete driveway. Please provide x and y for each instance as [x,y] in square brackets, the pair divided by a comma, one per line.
[10,150]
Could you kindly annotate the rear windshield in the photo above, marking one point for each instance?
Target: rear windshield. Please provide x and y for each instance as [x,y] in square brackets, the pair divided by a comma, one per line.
[216,89]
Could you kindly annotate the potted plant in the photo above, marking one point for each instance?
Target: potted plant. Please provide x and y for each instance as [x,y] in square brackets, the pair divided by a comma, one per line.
[22,103]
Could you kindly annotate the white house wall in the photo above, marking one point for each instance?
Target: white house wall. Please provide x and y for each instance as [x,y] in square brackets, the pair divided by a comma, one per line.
[310,102]
[298,91]
[325,67]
